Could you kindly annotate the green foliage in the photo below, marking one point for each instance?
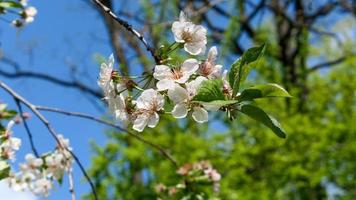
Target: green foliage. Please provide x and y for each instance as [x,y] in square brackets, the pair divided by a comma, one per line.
[10,4]
[4,169]
[258,114]
[320,147]
[263,91]
[241,67]
[210,90]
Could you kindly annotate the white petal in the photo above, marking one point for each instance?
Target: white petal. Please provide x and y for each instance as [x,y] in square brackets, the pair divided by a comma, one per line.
[194,85]
[140,123]
[180,110]
[165,84]
[182,17]
[190,66]
[153,120]
[15,143]
[177,29]
[200,115]
[144,101]
[216,73]
[177,94]
[212,55]
[200,35]
[194,48]
[159,101]
[161,72]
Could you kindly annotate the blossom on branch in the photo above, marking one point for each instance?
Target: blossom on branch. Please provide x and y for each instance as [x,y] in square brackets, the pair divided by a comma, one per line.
[182,98]
[193,36]
[148,104]
[167,77]
[208,68]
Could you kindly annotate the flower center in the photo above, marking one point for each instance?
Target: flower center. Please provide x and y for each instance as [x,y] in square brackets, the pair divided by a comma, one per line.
[187,36]
[205,69]
[177,74]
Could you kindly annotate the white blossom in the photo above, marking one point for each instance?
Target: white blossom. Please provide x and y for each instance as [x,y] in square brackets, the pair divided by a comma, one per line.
[212,174]
[42,187]
[167,77]
[23,2]
[33,162]
[193,36]
[208,68]
[147,105]
[182,97]
[105,76]
[11,144]
[28,14]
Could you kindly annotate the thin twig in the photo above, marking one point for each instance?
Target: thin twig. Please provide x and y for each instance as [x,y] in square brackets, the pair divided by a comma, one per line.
[50,129]
[71,183]
[29,134]
[86,116]
[129,28]
[327,64]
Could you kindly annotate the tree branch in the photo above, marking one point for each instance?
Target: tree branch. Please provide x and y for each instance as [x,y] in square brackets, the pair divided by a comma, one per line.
[29,134]
[52,79]
[327,64]
[129,27]
[50,129]
[86,116]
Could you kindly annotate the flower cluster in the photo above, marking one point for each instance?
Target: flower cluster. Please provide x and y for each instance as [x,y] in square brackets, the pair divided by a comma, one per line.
[37,173]
[179,83]
[9,144]
[198,174]
[26,13]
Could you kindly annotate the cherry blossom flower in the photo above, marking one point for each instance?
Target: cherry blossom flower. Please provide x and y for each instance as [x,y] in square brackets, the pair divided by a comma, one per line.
[208,68]
[28,14]
[182,97]
[11,144]
[42,187]
[193,36]
[105,76]
[23,2]
[167,77]
[33,162]
[148,104]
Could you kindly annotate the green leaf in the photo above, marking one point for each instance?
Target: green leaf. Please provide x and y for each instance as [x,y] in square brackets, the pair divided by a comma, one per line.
[4,169]
[218,103]
[258,114]
[210,90]
[263,91]
[10,4]
[241,67]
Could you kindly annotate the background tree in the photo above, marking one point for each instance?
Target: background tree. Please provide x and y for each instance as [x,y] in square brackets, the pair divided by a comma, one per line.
[311,48]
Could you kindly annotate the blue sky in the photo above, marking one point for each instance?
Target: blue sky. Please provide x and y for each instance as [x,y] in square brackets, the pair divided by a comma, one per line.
[64,32]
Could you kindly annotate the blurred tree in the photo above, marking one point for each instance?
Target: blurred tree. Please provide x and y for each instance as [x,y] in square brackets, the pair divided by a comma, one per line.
[314,162]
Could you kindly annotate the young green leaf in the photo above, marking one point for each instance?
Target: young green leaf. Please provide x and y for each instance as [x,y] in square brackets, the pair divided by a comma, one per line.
[210,90]
[258,114]
[241,67]
[10,4]
[216,104]
[4,169]
[263,91]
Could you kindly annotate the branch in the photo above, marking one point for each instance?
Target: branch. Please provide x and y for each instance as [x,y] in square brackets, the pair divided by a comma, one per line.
[29,134]
[129,28]
[52,79]
[53,133]
[86,116]
[327,64]
[71,184]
